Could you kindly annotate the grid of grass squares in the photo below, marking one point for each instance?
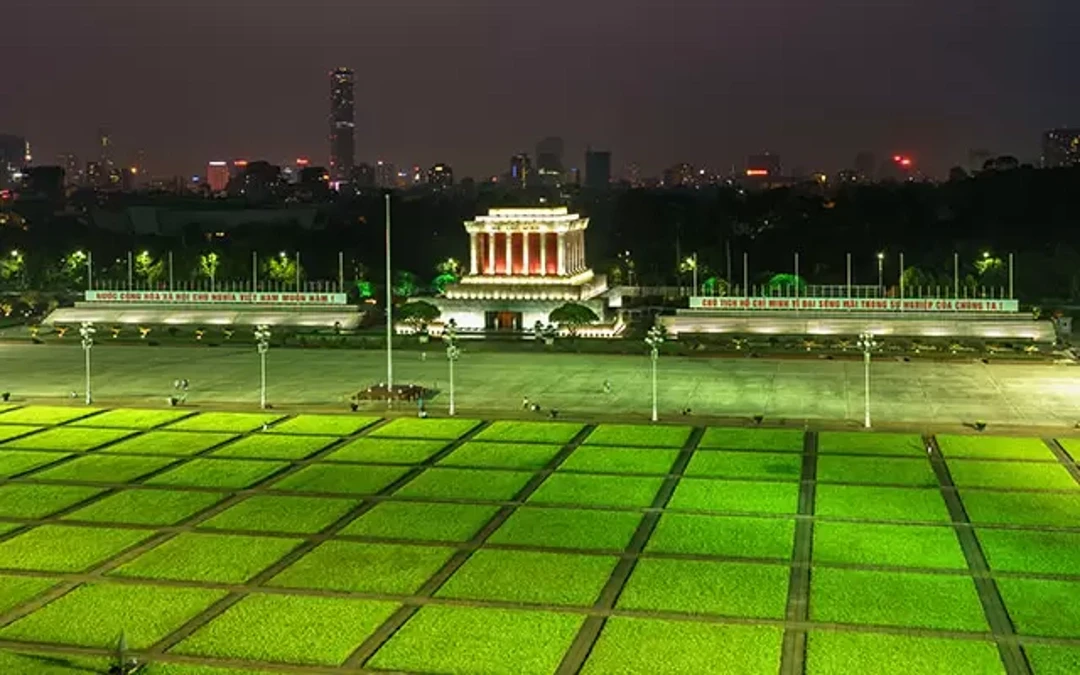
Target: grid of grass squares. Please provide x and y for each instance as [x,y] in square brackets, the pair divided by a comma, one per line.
[226,543]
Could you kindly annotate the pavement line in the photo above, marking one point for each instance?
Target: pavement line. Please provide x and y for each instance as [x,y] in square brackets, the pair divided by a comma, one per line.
[793,647]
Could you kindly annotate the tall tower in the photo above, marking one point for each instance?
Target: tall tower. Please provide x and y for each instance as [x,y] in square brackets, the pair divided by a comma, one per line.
[105,156]
[342,124]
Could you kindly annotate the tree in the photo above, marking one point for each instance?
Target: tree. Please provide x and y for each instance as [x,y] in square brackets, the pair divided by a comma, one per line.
[209,264]
[282,269]
[786,283]
[148,269]
[404,284]
[572,316]
[418,314]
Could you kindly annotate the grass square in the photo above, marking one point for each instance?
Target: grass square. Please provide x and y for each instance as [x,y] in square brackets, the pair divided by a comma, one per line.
[330,425]
[915,471]
[870,443]
[568,528]
[603,459]
[1017,475]
[881,503]
[288,629]
[218,473]
[502,455]
[838,653]
[24,500]
[386,451]
[728,536]
[14,590]
[773,465]
[414,427]
[1021,508]
[182,443]
[895,599]
[147,507]
[568,488]
[236,423]
[530,577]
[1031,551]
[892,545]
[369,568]
[707,587]
[38,662]
[105,468]
[656,436]
[1042,607]
[735,496]
[93,615]
[15,462]
[341,479]
[466,484]
[274,446]
[9,431]
[130,418]
[195,556]
[448,639]
[421,521]
[1053,659]
[790,440]
[44,414]
[1071,446]
[558,433]
[678,647]
[281,514]
[68,439]
[993,447]
[61,548]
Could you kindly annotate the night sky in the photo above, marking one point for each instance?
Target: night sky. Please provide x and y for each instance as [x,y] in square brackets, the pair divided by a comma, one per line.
[470,82]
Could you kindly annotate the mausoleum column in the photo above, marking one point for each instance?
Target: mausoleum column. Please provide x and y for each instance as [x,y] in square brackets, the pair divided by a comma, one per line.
[474,254]
[525,253]
[561,249]
[543,253]
[509,253]
[491,252]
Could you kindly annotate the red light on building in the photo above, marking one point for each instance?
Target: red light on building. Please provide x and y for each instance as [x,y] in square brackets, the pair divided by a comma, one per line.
[905,162]
[240,163]
[757,173]
[302,161]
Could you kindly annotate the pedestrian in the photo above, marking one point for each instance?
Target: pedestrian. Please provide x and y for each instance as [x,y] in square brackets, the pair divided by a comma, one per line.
[525,403]
[607,386]
[423,356]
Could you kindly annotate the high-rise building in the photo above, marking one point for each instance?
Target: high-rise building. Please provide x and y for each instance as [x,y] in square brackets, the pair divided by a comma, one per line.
[217,176]
[440,175]
[597,169]
[105,149]
[633,175]
[14,155]
[520,170]
[70,164]
[549,160]
[385,175]
[363,176]
[1061,147]
[342,124]
[680,175]
[764,165]
[95,175]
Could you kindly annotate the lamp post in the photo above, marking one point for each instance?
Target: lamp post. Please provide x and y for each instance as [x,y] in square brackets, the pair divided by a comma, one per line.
[867,344]
[880,271]
[452,354]
[87,330]
[654,339]
[262,345]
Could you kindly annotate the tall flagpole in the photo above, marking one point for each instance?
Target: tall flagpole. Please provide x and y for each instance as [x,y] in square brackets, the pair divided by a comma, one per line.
[389,312]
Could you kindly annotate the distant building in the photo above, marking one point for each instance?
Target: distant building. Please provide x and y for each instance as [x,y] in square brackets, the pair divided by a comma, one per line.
[363,176]
[549,160]
[866,166]
[764,165]
[520,170]
[597,169]
[342,124]
[95,175]
[440,175]
[105,150]
[1061,147]
[633,175]
[13,157]
[417,176]
[217,176]
[385,175]
[70,164]
[679,175]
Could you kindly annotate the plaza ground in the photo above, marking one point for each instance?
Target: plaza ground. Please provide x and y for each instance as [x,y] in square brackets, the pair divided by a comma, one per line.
[244,543]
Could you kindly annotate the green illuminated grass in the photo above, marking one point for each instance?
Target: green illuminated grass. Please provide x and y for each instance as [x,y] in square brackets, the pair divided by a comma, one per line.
[639,435]
[281,514]
[466,484]
[421,521]
[414,427]
[218,473]
[181,443]
[558,433]
[1021,508]
[386,450]
[836,653]
[446,639]
[14,462]
[194,556]
[61,548]
[880,503]
[790,440]
[502,455]
[274,446]
[105,468]
[1042,608]
[895,599]
[1023,475]
[1072,446]
[44,414]
[19,500]
[706,587]
[871,443]
[993,447]
[341,479]
[236,423]
[130,418]
[723,536]
[16,590]
[1031,551]
[1053,659]
[288,629]
[94,614]
[530,577]
[892,545]
[679,647]
[330,425]
[9,431]
[916,472]
[68,438]
[620,460]
[735,496]
[772,465]
[372,568]
[568,528]
[147,507]
[565,488]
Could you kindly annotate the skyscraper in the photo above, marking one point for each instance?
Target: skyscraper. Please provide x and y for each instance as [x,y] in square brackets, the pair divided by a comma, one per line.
[597,169]
[217,176]
[13,157]
[1061,147]
[342,124]
[105,149]
[520,170]
[440,176]
[549,160]
[385,175]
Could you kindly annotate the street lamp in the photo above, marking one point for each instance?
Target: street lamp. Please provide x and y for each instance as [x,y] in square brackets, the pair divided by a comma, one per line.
[880,271]
[87,330]
[452,354]
[867,344]
[262,345]
[691,264]
[654,339]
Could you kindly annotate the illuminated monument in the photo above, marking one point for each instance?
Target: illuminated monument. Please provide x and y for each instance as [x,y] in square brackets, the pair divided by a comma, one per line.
[524,262]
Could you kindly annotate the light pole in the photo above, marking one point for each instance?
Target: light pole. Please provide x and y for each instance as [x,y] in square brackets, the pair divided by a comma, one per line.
[880,271]
[389,314]
[867,344]
[654,339]
[87,330]
[262,345]
[452,354]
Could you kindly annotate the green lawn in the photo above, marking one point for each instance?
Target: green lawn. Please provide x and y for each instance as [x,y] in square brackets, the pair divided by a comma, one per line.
[289,629]
[62,548]
[68,438]
[14,591]
[656,436]
[916,472]
[735,496]
[1042,608]
[771,465]
[559,433]
[790,440]
[15,462]
[1053,659]
[502,455]
[626,491]
[263,513]
[596,458]
[679,647]
[728,536]
[870,443]
[9,431]
[466,484]
[880,503]
[147,507]
[1031,551]
[421,521]
[195,556]
[414,427]
[341,479]
[183,443]
[1072,446]
[44,414]
[235,423]
[23,500]
[94,614]
[131,418]
[446,639]
[895,599]
[330,425]
[370,568]
[274,446]
[105,468]
[218,473]
[837,653]
[707,587]
[386,450]
[1021,475]
[530,577]
[568,528]
[890,545]
[993,447]
[1021,508]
